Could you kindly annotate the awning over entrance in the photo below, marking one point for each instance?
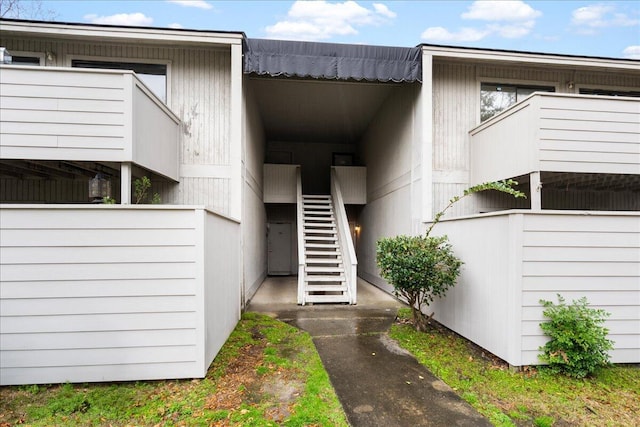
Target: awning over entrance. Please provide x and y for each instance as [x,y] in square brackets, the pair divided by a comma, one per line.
[332,61]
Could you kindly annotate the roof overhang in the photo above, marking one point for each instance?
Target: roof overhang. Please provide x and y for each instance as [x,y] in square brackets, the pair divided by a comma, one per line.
[147,35]
[529,58]
[332,61]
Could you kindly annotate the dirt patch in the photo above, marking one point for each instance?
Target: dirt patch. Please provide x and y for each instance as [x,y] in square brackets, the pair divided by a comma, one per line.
[242,383]
[240,376]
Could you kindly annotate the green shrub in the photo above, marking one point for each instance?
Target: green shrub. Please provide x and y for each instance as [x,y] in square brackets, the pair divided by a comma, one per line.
[141,191]
[420,268]
[579,343]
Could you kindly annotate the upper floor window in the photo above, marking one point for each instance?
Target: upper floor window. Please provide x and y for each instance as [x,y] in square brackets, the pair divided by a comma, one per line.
[34,59]
[497,97]
[154,76]
[26,60]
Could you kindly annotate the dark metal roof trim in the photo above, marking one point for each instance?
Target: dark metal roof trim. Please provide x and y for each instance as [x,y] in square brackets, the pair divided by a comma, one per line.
[332,61]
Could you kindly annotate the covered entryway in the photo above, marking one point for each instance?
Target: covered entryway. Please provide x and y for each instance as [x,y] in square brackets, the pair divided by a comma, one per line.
[312,112]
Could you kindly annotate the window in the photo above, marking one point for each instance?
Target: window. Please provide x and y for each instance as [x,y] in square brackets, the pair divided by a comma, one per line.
[34,59]
[608,92]
[25,60]
[154,76]
[497,97]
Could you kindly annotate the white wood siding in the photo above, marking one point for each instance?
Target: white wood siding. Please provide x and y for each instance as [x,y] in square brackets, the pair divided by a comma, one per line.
[456,111]
[254,216]
[280,183]
[558,133]
[393,168]
[199,94]
[85,115]
[110,293]
[597,256]
[353,184]
[514,259]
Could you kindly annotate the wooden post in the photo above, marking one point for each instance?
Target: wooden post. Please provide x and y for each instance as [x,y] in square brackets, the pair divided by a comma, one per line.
[536,191]
[125,183]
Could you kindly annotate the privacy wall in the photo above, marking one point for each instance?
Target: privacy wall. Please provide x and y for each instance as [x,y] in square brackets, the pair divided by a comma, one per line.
[114,293]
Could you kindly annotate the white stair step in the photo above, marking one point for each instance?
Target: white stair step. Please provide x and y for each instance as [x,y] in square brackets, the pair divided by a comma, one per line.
[321,238]
[318,231]
[323,261]
[327,213]
[322,205]
[336,279]
[321,245]
[326,288]
[324,269]
[324,218]
[315,224]
[323,253]
[327,298]
[315,196]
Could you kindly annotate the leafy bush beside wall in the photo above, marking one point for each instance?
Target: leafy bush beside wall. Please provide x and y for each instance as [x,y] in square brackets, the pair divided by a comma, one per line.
[579,343]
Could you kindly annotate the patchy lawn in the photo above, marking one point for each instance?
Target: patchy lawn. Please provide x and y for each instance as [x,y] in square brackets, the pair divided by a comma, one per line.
[529,398]
[268,373]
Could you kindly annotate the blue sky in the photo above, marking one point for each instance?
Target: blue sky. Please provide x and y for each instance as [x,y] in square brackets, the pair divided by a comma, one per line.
[600,28]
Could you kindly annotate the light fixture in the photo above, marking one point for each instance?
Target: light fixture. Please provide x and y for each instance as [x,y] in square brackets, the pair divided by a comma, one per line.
[99,188]
[357,229]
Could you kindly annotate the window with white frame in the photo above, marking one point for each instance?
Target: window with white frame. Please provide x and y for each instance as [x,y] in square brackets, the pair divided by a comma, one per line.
[34,59]
[497,97]
[154,76]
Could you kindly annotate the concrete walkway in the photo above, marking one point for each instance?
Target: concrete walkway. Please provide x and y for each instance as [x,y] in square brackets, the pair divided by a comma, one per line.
[377,382]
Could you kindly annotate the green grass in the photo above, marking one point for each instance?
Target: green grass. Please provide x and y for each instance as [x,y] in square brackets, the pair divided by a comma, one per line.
[268,373]
[529,398]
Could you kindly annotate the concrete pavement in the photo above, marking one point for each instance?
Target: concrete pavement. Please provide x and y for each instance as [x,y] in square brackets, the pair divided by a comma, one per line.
[377,382]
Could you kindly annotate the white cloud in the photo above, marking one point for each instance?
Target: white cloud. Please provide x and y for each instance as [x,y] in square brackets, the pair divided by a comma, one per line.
[508,19]
[200,4]
[384,10]
[175,25]
[319,20]
[518,30]
[441,34]
[589,19]
[514,10]
[135,19]
[632,52]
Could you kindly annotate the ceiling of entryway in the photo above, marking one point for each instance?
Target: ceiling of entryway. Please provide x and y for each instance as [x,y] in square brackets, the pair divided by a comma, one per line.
[315,110]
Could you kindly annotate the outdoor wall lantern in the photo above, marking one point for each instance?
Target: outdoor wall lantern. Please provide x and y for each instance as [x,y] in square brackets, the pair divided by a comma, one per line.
[99,188]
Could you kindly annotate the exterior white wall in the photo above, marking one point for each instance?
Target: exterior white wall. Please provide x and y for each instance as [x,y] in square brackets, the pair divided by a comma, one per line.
[564,133]
[222,285]
[254,217]
[66,114]
[353,184]
[387,149]
[199,93]
[114,293]
[514,259]
[456,111]
[280,183]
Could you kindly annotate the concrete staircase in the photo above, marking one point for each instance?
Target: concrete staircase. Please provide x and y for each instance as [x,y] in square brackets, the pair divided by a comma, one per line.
[324,275]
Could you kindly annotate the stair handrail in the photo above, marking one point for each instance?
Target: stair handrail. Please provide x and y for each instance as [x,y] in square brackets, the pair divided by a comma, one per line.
[300,220]
[350,261]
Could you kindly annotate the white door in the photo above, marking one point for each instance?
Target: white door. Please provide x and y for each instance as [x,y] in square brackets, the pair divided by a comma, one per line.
[279,248]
